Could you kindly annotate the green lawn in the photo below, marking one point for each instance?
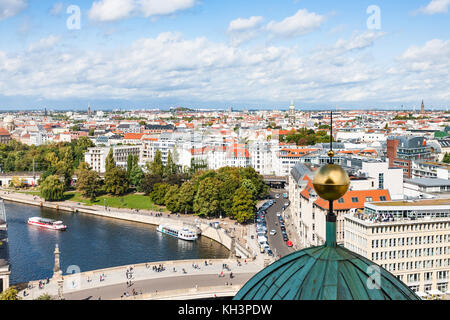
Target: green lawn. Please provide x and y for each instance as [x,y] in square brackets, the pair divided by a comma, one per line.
[130,201]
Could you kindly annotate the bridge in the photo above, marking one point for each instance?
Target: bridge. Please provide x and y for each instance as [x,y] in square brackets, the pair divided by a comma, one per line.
[198,281]
[276,182]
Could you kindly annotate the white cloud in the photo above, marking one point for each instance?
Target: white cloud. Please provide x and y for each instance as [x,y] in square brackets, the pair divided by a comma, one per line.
[56,8]
[170,66]
[164,7]
[242,30]
[301,23]
[44,43]
[435,6]
[242,24]
[112,10]
[9,8]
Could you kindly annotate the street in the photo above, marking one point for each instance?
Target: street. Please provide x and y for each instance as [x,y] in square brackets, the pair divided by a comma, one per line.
[276,241]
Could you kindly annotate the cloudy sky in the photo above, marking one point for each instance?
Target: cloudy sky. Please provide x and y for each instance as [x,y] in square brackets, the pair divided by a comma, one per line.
[211,53]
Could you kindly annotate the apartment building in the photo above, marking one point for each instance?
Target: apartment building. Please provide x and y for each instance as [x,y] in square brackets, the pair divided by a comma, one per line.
[308,210]
[411,239]
[96,157]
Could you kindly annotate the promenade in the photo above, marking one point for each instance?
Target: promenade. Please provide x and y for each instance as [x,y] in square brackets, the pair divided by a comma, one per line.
[142,281]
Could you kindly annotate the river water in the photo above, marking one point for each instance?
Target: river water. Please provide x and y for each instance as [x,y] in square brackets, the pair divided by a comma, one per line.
[91,242]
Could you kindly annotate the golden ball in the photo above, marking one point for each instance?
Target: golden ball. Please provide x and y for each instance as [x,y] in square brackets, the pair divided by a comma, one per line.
[331,182]
[331,153]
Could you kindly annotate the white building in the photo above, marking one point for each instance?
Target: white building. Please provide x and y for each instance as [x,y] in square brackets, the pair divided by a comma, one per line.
[409,239]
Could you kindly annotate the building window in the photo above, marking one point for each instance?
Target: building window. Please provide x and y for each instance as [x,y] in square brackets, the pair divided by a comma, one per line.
[341,200]
[369,199]
[355,200]
[382,198]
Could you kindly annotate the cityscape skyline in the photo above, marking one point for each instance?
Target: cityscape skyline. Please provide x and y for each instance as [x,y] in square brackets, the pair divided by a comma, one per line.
[210,54]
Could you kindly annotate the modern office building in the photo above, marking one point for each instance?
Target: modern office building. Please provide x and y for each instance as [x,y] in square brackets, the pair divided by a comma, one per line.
[411,239]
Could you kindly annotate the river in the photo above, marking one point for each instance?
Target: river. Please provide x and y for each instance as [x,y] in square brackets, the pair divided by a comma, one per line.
[91,242]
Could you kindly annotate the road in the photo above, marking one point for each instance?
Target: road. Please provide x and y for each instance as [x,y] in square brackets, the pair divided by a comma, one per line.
[276,242]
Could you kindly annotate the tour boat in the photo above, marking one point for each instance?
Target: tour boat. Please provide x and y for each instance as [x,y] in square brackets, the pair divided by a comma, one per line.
[47,223]
[180,233]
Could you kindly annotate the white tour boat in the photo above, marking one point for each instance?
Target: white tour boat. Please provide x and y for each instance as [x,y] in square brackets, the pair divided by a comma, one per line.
[47,223]
[180,233]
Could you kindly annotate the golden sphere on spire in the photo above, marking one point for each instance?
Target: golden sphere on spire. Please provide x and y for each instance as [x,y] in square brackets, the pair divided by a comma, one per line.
[331,153]
[331,182]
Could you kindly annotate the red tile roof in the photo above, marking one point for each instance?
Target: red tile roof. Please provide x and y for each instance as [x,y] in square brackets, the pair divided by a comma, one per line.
[359,195]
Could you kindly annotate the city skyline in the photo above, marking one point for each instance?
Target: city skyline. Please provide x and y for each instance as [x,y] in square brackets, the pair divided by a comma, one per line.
[158,54]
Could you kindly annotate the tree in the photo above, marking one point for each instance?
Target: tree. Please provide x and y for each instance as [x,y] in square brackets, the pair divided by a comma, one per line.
[129,164]
[10,294]
[186,195]
[248,184]
[44,296]
[243,205]
[110,163]
[172,199]
[88,181]
[207,199]
[91,132]
[159,192]
[171,167]
[446,158]
[116,182]
[136,176]
[148,182]
[52,189]
[156,167]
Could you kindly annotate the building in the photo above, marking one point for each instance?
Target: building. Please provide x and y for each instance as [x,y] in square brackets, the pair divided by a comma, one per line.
[292,114]
[427,187]
[411,239]
[308,210]
[402,150]
[5,136]
[96,157]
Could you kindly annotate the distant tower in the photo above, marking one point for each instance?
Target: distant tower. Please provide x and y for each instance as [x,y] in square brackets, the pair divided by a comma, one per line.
[422,108]
[89,110]
[45,112]
[292,114]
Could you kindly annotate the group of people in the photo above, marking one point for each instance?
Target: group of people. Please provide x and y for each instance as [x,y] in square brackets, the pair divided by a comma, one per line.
[159,268]
[42,283]
[129,273]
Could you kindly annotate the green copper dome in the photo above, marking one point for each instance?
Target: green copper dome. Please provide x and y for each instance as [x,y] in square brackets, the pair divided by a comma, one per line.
[324,273]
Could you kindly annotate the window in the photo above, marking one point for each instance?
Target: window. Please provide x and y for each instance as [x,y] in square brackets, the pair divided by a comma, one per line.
[382,198]
[341,200]
[355,200]
[369,199]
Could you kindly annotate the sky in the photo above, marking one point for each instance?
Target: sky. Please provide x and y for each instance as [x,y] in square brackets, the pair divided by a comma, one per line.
[218,54]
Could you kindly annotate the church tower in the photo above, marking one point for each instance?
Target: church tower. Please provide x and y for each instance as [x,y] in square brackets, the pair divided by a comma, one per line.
[292,114]
[422,108]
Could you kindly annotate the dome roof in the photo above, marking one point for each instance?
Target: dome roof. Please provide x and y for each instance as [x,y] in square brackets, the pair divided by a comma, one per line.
[8,119]
[324,273]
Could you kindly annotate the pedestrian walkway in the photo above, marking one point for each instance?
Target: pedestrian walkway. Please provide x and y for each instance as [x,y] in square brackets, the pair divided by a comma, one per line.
[126,276]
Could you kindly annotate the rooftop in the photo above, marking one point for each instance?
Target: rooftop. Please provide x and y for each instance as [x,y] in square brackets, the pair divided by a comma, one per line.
[415,203]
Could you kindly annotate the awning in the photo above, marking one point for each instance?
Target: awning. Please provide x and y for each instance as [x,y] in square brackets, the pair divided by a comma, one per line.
[435,292]
[422,294]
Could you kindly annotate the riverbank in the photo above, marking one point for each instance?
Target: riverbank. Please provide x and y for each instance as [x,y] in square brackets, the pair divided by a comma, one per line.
[224,235]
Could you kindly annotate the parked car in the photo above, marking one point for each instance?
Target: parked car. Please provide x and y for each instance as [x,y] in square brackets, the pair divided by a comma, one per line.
[273,232]
[270,253]
[278,214]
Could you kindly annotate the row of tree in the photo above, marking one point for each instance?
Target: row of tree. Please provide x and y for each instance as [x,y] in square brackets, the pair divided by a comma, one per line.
[305,137]
[230,192]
